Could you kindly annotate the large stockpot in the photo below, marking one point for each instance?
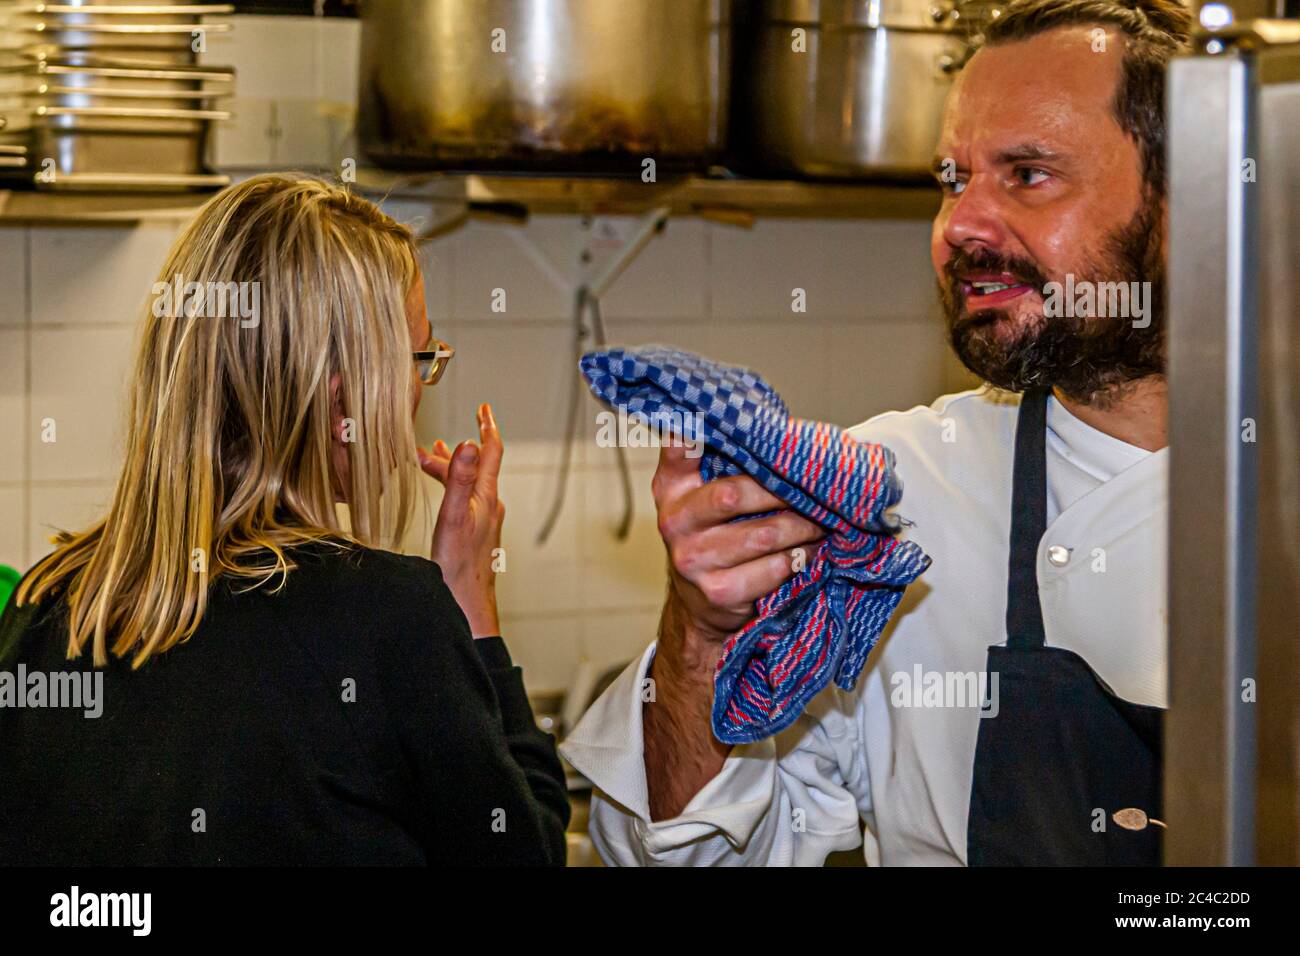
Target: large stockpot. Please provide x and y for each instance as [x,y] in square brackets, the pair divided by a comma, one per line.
[843,89]
[564,85]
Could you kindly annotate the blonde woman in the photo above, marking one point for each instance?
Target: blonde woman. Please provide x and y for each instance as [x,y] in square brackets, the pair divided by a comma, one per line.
[240,678]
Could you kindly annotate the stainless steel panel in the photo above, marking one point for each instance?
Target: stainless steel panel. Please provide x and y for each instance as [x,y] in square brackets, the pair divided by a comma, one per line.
[1209,767]
[1232,736]
[1278,842]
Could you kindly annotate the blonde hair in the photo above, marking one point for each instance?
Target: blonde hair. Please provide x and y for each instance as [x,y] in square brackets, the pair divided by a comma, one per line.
[228,454]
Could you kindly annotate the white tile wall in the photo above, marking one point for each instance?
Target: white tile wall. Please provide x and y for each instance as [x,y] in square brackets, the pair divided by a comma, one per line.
[546,647]
[62,507]
[540,578]
[611,639]
[100,275]
[533,266]
[668,280]
[13,526]
[270,54]
[247,139]
[338,51]
[295,84]
[13,259]
[77,402]
[13,403]
[628,574]
[435,259]
[846,268]
[13,397]
[524,371]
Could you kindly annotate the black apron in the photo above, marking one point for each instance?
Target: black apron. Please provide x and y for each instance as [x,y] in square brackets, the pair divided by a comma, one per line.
[1064,755]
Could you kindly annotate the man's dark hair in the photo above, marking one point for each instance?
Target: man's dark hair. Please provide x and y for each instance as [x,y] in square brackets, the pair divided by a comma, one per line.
[1154,31]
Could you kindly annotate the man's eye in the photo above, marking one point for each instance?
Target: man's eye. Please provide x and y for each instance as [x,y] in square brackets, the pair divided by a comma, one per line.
[1030,176]
[955,186]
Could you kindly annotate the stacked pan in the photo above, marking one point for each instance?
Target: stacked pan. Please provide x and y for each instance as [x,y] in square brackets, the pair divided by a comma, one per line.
[106,94]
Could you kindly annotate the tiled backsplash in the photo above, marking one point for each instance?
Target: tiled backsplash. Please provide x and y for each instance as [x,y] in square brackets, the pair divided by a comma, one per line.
[295,87]
[870,340]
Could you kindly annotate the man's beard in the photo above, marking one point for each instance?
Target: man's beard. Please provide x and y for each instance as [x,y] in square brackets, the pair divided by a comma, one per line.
[1088,358]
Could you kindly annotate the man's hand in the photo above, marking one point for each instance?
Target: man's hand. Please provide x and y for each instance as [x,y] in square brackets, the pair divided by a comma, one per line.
[717,570]
[720,568]
[468,530]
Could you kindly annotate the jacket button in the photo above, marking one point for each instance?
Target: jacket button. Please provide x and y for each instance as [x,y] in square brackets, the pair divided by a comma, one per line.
[1058,555]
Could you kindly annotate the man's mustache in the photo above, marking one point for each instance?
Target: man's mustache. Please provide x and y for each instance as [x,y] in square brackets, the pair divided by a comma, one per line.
[965,263]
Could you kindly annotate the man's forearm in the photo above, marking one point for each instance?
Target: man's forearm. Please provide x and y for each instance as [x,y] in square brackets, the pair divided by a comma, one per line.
[681,753]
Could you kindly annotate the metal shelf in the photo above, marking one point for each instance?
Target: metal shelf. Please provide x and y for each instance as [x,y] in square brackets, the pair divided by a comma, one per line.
[24,207]
[738,200]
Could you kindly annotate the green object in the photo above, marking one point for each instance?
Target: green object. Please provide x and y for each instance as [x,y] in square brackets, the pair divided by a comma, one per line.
[9,579]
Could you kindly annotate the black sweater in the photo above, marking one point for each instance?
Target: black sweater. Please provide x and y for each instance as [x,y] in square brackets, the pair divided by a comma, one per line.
[348,719]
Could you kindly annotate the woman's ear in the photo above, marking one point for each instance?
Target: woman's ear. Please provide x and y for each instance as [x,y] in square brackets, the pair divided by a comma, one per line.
[338,427]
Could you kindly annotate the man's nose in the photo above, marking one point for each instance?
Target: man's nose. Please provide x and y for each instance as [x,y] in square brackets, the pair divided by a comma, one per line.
[975,217]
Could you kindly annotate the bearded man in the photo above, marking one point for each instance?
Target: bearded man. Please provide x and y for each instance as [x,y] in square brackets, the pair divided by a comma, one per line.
[1041,498]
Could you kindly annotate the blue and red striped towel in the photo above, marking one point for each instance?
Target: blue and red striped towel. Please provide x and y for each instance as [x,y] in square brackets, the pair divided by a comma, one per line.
[823,622]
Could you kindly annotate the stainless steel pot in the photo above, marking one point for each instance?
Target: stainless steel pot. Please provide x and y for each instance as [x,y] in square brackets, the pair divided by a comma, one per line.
[79,151]
[858,93]
[579,85]
[109,140]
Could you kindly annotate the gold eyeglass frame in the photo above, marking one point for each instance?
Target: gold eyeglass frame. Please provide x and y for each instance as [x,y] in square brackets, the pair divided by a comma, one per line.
[437,359]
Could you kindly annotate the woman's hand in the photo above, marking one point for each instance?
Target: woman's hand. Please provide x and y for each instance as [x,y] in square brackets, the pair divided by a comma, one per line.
[468,530]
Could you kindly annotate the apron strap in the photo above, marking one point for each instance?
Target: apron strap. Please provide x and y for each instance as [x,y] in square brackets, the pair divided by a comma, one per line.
[1028,523]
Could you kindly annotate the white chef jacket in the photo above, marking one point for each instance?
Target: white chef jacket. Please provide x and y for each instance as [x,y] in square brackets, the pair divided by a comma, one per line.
[884,751]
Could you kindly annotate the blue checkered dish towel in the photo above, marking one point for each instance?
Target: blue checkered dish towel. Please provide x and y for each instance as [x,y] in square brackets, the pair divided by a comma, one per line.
[822,623]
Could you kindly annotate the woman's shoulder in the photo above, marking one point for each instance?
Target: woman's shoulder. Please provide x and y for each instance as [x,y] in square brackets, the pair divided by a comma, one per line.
[381,591]
[360,562]
[18,622]
[392,609]
[348,570]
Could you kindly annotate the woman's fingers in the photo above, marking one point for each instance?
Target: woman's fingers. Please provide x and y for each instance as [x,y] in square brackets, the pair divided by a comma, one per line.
[462,474]
[441,463]
[435,461]
[493,450]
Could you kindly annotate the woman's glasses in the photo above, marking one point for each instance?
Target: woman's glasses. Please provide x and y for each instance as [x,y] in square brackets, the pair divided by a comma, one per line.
[432,362]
